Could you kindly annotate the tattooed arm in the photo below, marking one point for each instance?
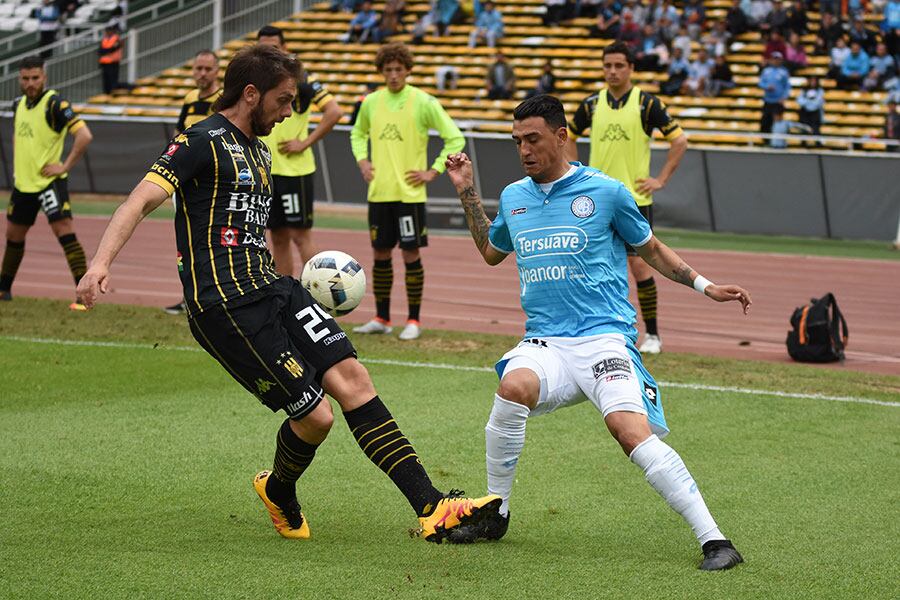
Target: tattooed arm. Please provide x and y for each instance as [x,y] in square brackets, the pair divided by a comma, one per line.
[666,261]
[459,169]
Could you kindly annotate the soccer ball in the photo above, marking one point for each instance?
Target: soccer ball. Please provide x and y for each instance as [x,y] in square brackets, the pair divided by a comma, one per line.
[335,280]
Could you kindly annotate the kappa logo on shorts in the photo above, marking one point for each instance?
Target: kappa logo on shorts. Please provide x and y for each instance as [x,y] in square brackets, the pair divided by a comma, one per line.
[263,386]
[609,366]
[651,393]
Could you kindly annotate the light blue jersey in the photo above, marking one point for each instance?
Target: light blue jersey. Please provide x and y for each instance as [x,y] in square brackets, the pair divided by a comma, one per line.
[570,250]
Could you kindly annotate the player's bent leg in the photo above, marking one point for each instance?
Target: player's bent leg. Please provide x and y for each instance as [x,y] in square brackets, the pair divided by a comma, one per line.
[282,251]
[668,475]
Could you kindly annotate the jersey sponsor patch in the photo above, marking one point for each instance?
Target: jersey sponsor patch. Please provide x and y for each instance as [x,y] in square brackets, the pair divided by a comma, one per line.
[172,149]
[611,366]
[583,206]
[550,241]
[229,236]
[518,211]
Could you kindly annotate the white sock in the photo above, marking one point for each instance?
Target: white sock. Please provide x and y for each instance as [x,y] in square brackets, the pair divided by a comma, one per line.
[668,475]
[504,437]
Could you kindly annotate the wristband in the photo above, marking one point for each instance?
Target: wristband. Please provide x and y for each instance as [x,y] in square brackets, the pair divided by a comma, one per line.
[701,283]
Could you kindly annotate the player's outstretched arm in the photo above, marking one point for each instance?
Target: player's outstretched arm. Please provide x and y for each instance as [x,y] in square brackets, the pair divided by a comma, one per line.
[459,169]
[145,197]
[666,261]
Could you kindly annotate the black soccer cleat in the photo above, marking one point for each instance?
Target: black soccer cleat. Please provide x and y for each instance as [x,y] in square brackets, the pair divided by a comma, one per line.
[490,526]
[719,555]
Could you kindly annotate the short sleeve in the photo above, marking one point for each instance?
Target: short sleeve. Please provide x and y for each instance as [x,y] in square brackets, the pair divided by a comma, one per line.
[581,120]
[185,155]
[628,221]
[61,115]
[498,235]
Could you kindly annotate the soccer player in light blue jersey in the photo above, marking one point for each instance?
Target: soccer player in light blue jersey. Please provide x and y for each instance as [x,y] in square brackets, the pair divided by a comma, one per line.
[568,225]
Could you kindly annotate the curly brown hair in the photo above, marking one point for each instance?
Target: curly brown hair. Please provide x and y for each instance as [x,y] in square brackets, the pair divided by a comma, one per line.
[395,51]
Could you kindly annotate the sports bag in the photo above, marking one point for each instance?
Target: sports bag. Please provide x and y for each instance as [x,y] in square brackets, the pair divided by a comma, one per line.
[819,331]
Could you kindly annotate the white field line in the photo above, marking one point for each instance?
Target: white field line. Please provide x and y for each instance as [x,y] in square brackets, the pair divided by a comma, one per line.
[425,365]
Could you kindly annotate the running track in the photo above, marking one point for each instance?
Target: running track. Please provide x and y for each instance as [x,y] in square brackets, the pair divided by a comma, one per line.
[463,293]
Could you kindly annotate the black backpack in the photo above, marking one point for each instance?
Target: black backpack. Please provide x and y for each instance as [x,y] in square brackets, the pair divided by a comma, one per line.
[820,331]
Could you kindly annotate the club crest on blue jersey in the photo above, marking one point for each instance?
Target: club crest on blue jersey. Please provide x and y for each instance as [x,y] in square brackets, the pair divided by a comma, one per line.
[583,206]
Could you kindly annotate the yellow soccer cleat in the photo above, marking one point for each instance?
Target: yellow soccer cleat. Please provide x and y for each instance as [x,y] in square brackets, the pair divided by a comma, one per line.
[288,521]
[454,510]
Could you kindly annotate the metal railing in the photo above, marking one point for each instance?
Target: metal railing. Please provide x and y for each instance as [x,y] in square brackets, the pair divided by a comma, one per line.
[159,45]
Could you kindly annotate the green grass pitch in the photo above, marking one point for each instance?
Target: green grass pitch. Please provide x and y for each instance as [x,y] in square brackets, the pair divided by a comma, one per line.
[125,472]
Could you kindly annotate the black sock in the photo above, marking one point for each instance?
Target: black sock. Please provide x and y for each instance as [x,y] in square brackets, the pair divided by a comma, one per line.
[12,258]
[646,292]
[382,281]
[74,255]
[381,440]
[292,456]
[415,282]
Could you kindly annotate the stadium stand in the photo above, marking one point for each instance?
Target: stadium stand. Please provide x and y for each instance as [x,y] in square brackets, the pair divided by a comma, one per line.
[317,35]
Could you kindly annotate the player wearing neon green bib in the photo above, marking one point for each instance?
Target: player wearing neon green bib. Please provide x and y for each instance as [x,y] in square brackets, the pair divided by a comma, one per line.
[293,164]
[41,120]
[622,118]
[396,121]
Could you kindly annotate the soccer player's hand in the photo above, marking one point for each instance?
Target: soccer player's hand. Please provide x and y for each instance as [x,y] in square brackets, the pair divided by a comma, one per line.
[53,169]
[726,293]
[292,147]
[648,185]
[418,178]
[94,283]
[368,173]
[459,170]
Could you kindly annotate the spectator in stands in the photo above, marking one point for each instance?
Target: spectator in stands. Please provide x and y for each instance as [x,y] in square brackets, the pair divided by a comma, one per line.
[391,20]
[555,12]
[47,17]
[119,15]
[776,85]
[693,15]
[859,33]
[683,41]
[699,74]
[794,54]
[447,13]
[110,52]
[776,20]
[630,32]
[832,7]
[666,11]
[718,39]
[608,21]
[781,127]
[678,72]
[488,26]
[796,18]
[831,30]
[839,54]
[759,10]
[892,123]
[500,81]
[642,13]
[446,77]
[775,44]
[651,54]
[854,68]
[736,19]
[721,77]
[363,24]
[883,63]
[546,83]
[811,101]
[891,20]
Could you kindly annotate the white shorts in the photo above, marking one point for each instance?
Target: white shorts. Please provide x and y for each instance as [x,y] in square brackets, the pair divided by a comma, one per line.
[605,369]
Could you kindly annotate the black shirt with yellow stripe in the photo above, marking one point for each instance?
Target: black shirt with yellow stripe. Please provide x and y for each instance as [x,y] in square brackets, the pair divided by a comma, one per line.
[196,108]
[223,186]
[654,114]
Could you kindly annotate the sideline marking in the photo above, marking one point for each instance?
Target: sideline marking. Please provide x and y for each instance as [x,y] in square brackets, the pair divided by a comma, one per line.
[425,365]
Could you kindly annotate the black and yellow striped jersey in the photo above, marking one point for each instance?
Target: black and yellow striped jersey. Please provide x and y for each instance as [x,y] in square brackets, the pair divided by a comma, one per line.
[654,114]
[195,108]
[223,186]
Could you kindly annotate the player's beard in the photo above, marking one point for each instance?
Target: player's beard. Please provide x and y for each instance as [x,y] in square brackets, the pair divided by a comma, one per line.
[258,124]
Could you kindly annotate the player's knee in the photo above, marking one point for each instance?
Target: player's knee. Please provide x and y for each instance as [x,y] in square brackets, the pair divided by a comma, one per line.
[519,390]
[321,420]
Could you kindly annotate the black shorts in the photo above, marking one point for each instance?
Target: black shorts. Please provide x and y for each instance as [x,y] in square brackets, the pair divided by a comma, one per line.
[53,200]
[292,202]
[278,345]
[647,211]
[393,222]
